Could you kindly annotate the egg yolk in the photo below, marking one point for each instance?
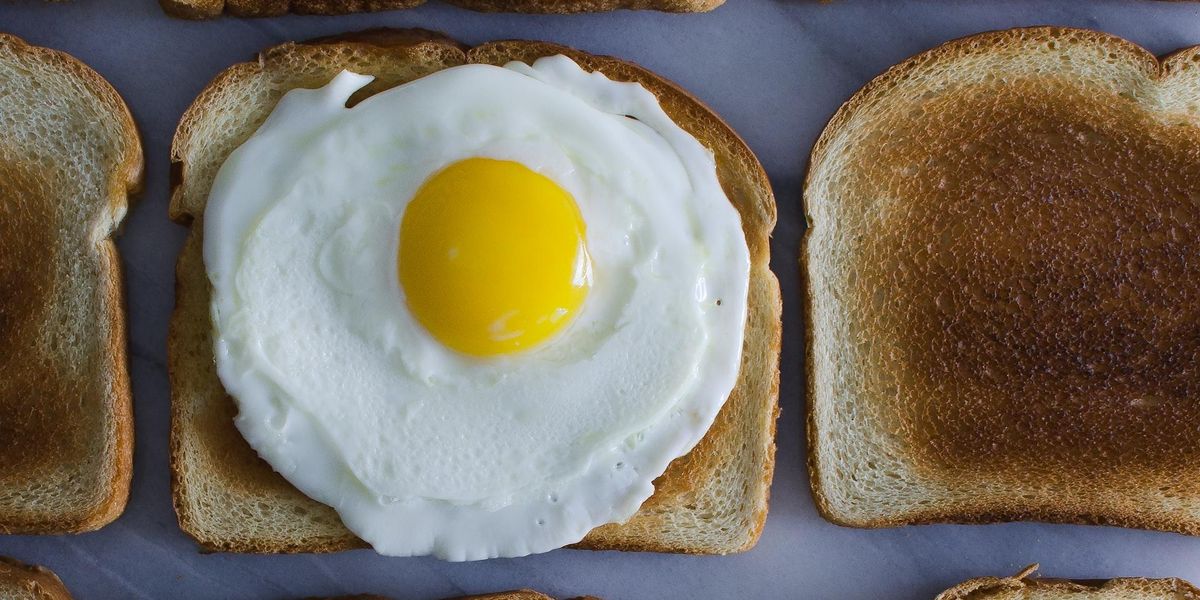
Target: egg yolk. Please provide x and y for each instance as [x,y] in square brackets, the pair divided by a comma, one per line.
[493,258]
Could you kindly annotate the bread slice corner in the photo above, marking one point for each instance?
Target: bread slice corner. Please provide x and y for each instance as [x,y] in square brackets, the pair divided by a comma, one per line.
[19,581]
[1027,586]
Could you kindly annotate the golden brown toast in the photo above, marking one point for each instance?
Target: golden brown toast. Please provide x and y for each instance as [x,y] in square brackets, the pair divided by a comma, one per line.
[1003,291]
[207,9]
[70,158]
[19,581]
[713,500]
[1026,586]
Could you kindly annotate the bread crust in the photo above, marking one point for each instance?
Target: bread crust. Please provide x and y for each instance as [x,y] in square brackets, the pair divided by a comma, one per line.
[208,9]
[999,588]
[738,451]
[1030,493]
[19,581]
[51,436]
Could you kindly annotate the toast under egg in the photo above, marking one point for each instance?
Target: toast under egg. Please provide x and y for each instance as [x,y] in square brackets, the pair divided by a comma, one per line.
[711,501]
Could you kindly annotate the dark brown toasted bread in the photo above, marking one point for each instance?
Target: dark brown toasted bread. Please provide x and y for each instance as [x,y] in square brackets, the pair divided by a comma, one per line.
[714,500]
[1003,290]
[69,159]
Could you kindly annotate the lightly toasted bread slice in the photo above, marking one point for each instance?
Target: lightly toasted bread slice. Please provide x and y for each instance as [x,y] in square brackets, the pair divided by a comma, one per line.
[70,158]
[20,581]
[1025,586]
[1002,291]
[208,9]
[712,501]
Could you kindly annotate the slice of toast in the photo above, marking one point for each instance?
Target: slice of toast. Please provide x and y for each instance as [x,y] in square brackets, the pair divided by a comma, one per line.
[208,9]
[1002,291]
[69,159]
[1025,586]
[19,581]
[713,500]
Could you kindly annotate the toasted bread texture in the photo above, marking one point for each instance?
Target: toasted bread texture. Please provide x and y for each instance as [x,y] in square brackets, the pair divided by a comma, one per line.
[19,581]
[713,500]
[69,159]
[207,9]
[1025,586]
[1003,296]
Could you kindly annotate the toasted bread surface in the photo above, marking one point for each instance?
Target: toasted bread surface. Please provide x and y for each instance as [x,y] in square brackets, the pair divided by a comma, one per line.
[1025,586]
[70,157]
[207,9]
[1003,298]
[714,500]
[19,581]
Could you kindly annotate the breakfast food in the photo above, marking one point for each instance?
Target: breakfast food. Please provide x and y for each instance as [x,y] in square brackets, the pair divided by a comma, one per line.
[589,396]
[1003,311]
[19,581]
[207,9]
[1026,586]
[69,159]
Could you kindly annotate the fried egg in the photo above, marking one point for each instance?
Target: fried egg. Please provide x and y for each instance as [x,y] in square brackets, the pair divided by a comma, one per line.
[479,313]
